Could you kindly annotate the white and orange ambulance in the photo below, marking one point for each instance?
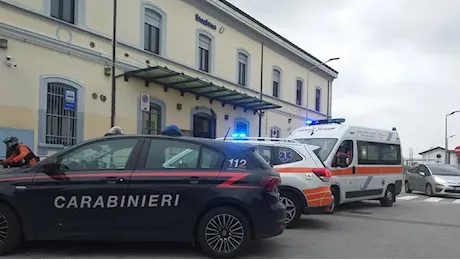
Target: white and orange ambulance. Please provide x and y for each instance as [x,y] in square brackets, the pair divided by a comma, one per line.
[366,163]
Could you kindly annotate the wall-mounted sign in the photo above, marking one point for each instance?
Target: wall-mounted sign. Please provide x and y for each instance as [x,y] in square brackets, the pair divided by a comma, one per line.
[70,99]
[205,22]
[145,102]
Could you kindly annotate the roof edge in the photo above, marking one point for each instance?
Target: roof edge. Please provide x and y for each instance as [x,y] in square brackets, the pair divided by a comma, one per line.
[264,30]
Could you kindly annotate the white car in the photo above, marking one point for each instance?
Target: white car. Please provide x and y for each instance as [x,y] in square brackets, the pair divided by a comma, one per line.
[305,181]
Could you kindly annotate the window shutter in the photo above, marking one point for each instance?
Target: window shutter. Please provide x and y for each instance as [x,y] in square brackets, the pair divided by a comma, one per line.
[205,42]
[152,18]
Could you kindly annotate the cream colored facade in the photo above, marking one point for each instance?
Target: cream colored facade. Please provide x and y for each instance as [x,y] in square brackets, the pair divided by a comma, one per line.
[45,50]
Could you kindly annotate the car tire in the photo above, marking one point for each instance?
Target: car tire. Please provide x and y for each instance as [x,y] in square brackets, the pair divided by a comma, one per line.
[293,206]
[407,188]
[210,241]
[429,190]
[336,193]
[389,197]
[9,224]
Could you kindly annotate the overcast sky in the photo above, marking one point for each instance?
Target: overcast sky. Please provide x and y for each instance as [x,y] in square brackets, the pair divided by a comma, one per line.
[399,60]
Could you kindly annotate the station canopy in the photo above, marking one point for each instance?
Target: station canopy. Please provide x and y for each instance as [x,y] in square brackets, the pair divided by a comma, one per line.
[198,87]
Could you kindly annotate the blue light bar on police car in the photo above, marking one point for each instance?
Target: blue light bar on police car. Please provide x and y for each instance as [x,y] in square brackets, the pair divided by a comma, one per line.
[325,121]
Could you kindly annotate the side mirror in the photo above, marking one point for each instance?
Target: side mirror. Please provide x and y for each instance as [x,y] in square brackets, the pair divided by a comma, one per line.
[422,173]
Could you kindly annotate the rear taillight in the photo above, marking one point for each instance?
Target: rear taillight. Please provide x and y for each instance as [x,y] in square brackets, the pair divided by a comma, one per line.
[323,173]
[270,183]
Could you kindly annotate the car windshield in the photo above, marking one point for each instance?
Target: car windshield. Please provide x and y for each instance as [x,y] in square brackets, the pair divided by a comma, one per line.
[325,144]
[444,169]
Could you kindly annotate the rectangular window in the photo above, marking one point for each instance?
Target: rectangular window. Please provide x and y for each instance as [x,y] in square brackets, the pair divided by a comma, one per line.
[242,69]
[152,31]
[204,49]
[63,10]
[276,83]
[318,100]
[61,120]
[298,99]
[378,153]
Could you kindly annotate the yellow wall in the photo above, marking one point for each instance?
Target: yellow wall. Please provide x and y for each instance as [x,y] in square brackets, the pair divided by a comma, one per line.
[180,51]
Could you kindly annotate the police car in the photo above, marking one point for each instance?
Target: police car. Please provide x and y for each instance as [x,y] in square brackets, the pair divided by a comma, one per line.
[131,187]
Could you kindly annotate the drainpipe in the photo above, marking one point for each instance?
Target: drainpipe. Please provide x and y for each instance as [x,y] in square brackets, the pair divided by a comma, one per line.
[261,87]
[114,60]
[329,90]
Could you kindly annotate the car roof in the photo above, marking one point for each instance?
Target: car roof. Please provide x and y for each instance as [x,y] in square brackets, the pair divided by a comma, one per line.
[206,141]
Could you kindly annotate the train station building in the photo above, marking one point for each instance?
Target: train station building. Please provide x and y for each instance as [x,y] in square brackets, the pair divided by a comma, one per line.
[205,66]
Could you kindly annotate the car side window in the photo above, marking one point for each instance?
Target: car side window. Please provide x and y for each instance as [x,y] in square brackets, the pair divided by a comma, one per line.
[414,170]
[167,154]
[283,155]
[211,159]
[102,155]
[424,169]
[265,152]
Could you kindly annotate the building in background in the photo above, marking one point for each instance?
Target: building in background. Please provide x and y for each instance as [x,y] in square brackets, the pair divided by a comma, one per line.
[437,155]
[197,64]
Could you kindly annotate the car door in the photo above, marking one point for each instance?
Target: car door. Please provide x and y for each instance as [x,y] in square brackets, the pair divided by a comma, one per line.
[410,177]
[422,179]
[174,176]
[83,194]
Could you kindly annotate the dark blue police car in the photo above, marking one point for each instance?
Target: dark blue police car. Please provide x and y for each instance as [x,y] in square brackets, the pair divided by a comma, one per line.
[217,195]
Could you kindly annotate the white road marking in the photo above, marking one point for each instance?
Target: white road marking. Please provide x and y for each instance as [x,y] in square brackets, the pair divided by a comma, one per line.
[407,197]
[433,200]
[457,201]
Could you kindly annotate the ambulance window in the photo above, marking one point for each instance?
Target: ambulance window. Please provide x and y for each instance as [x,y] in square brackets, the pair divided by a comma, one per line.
[102,155]
[172,154]
[344,154]
[283,155]
[378,153]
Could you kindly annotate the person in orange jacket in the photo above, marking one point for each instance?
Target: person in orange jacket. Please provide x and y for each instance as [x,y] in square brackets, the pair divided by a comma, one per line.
[18,154]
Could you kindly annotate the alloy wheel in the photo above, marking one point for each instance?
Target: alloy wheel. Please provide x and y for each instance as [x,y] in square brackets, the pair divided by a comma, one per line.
[224,233]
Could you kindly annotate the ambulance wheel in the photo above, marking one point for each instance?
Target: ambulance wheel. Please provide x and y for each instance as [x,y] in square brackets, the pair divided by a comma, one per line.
[407,188]
[293,207]
[389,198]
[10,230]
[223,232]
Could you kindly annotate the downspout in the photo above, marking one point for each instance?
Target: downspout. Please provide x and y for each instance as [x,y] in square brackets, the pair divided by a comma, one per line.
[329,90]
[261,87]
[114,60]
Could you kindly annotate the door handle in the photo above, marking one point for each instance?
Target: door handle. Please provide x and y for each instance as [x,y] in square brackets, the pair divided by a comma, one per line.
[113,179]
[195,179]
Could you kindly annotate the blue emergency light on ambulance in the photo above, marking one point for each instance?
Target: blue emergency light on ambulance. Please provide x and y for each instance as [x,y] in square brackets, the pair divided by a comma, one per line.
[325,121]
[240,135]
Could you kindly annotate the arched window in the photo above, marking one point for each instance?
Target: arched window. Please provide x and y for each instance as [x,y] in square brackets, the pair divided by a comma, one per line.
[299,92]
[153,120]
[61,106]
[276,82]
[243,66]
[241,126]
[205,51]
[318,100]
[153,32]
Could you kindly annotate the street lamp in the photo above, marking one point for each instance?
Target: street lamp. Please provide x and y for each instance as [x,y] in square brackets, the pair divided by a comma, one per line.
[446,159]
[308,80]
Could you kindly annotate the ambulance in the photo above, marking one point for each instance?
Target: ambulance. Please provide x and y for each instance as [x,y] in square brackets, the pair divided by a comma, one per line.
[366,163]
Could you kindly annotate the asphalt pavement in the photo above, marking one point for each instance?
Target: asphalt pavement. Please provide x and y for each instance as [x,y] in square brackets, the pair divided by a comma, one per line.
[415,227]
